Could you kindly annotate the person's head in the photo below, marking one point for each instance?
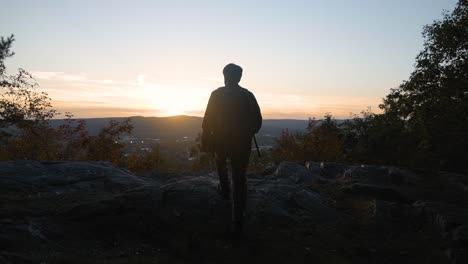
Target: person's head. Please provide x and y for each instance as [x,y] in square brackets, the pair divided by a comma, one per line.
[232,74]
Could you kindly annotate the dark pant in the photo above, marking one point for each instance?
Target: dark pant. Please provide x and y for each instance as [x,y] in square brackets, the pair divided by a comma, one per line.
[239,160]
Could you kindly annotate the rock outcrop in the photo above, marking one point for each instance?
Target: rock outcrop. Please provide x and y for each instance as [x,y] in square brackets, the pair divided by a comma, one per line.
[56,212]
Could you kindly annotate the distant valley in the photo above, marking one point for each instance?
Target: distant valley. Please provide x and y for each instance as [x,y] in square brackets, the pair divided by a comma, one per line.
[185,126]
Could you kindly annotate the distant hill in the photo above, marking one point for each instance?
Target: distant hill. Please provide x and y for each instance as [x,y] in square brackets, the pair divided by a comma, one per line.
[180,126]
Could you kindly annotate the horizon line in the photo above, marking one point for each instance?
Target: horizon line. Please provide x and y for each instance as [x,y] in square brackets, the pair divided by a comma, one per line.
[175,116]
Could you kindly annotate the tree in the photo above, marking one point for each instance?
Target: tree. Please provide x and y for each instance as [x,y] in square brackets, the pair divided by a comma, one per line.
[28,111]
[288,147]
[21,104]
[323,140]
[73,138]
[434,101]
[147,161]
[376,139]
[106,145]
[24,108]
[5,52]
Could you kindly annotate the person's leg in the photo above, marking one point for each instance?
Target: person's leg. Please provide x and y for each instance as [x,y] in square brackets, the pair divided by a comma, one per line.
[239,163]
[224,183]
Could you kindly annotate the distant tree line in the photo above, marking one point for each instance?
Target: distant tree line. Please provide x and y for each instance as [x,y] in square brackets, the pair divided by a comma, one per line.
[424,121]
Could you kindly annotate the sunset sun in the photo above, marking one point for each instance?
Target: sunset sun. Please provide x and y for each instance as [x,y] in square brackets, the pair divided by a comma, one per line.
[171,100]
[173,111]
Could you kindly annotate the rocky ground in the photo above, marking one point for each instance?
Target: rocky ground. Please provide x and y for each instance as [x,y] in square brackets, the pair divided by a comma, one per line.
[93,212]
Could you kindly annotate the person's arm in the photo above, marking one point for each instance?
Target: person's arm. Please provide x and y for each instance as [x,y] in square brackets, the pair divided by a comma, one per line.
[257,115]
[208,121]
[207,141]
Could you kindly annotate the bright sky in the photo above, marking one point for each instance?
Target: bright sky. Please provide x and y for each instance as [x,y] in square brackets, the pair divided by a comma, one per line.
[158,58]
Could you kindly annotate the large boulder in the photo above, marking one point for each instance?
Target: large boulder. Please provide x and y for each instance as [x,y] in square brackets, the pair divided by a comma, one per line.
[64,177]
[283,203]
[192,203]
[296,172]
[332,170]
[368,174]
[400,176]
[452,222]
[52,202]
[99,209]
[376,191]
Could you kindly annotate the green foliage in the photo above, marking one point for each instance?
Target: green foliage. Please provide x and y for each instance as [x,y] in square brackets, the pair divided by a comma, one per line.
[260,164]
[323,140]
[28,111]
[76,144]
[376,139]
[106,146]
[434,101]
[24,108]
[37,142]
[146,162]
[5,52]
[21,105]
[425,119]
[288,147]
[73,138]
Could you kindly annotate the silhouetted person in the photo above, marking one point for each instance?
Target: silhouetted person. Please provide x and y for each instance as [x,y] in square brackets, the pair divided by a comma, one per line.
[231,119]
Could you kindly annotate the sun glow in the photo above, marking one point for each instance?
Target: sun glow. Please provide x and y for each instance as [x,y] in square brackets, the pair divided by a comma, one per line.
[174,112]
[174,100]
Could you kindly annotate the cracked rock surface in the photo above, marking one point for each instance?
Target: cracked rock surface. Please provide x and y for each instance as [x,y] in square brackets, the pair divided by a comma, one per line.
[93,212]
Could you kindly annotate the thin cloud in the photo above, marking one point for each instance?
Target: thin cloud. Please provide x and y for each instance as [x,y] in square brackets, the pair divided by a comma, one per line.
[62,76]
[43,75]
[105,111]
